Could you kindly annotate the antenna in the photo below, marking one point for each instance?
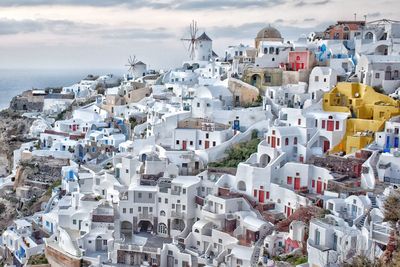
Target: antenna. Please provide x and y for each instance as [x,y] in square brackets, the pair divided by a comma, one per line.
[192,39]
[131,64]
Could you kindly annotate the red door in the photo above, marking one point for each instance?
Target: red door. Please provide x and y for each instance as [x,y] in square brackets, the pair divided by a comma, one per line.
[330,126]
[326,146]
[296,183]
[288,211]
[206,144]
[319,187]
[297,66]
[261,196]
[273,141]
[184,145]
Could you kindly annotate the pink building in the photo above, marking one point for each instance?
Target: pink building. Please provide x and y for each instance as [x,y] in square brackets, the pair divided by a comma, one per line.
[300,60]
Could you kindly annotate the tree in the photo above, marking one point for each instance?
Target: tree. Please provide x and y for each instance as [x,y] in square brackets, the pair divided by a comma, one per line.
[392,208]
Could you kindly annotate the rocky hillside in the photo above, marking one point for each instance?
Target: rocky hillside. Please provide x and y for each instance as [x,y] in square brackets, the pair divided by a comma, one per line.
[13,132]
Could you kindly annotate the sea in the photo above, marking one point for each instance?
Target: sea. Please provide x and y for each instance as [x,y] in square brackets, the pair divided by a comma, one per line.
[15,81]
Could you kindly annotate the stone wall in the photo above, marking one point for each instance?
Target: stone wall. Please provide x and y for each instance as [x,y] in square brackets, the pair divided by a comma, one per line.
[58,259]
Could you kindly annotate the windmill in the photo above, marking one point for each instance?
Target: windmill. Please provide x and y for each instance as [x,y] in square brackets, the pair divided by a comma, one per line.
[131,64]
[193,32]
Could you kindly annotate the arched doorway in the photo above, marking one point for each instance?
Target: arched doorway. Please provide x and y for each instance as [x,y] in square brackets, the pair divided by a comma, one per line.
[241,186]
[145,226]
[381,50]
[99,243]
[256,80]
[264,160]
[162,228]
[126,230]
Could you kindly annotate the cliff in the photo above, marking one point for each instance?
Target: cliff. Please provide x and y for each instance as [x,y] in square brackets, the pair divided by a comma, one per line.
[13,132]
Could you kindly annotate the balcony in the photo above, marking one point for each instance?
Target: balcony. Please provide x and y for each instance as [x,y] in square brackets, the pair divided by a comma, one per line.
[178,214]
[380,233]
[145,216]
[199,200]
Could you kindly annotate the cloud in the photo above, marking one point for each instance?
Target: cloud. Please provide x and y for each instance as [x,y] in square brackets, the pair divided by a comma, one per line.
[312,3]
[154,4]
[250,30]
[67,27]
[374,15]
[136,33]
[11,26]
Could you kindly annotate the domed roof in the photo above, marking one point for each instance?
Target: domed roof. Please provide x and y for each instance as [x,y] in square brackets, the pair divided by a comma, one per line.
[269,33]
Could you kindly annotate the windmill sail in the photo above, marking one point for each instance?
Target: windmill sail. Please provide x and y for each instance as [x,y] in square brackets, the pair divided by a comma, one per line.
[192,39]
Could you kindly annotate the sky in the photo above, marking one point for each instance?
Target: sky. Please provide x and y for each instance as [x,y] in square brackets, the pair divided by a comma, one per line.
[101,34]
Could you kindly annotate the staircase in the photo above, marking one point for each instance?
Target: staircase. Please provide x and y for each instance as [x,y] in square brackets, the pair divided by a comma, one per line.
[372,198]
[362,220]
[373,201]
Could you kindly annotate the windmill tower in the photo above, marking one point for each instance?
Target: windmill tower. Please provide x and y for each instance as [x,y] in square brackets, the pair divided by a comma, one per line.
[192,39]
[136,68]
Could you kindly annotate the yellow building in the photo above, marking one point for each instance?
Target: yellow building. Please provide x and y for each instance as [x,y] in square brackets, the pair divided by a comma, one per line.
[368,111]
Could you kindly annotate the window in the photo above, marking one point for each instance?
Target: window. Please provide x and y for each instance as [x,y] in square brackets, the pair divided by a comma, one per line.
[198,105]
[162,213]
[131,210]
[323,124]
[207,135]
[312,183]
[139,209]
[139,195]
[177,142]
[220,241]
[126,171]
[295,141]
[184,190]
[199,142]
[289,180]
[316,78]
[173,205]
[278,141]
[267,78]
[151,209]
[150,195]
[191,143]
[166,201]
[377,75]
[73,221]
[159,200]
[124,210]
[286,141]
[317,237]
[299,121]
[271,50]
[183,207]
[265,50]
[214,143]
[337,125]
[105,242]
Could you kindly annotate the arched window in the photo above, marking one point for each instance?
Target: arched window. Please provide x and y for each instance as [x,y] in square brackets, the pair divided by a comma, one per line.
[265,50]
[271,50]
[162,213]
[286,141]
[369,36]
[298,58]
